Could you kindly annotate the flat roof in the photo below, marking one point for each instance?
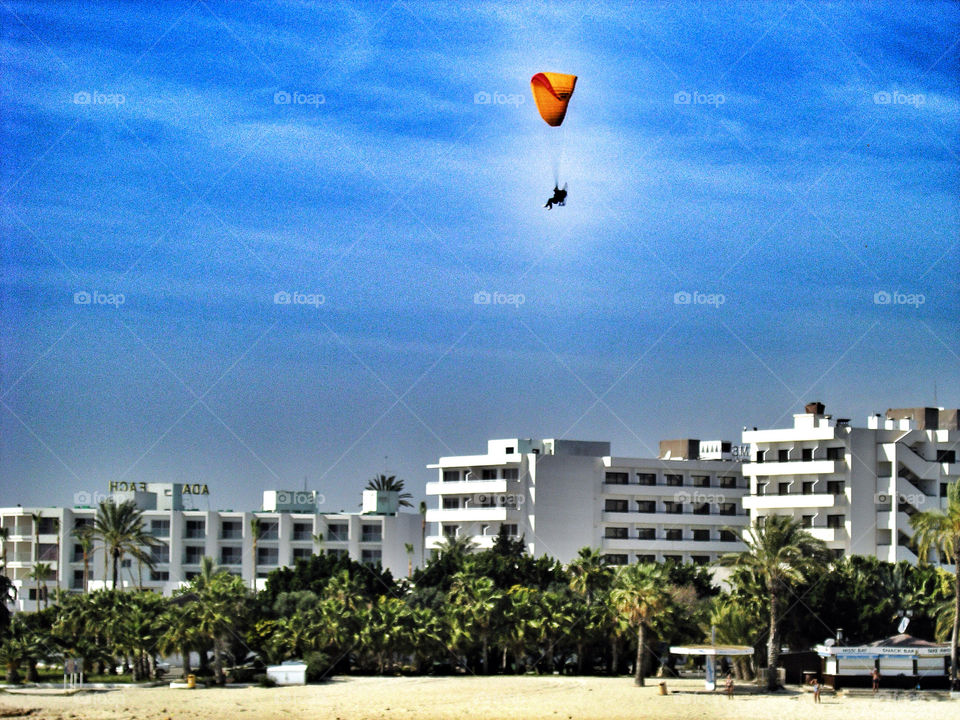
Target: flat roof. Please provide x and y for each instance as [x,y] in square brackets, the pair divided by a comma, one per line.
[712,650]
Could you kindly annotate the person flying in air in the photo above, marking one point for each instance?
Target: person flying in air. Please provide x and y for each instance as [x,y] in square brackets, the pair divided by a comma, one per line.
[559,198]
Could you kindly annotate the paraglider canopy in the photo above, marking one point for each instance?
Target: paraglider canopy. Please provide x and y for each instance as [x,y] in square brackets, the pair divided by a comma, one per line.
[551,93]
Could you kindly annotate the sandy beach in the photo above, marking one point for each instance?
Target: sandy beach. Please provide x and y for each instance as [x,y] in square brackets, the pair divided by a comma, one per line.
[467,698]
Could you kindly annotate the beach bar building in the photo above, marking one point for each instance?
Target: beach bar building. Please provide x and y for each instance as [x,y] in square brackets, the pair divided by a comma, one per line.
[903,662]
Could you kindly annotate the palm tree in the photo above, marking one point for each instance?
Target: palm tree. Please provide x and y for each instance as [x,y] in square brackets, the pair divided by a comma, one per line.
[36,517]
[119,528]
[218,609]
[457,547]
[409,548]
[939,530]
[40,571]
[479,599]
[85,541]
[423,531]
[781,554]
[256,532]
[639,593]
[589,575]
[318,541]
[4,534]
[390,484]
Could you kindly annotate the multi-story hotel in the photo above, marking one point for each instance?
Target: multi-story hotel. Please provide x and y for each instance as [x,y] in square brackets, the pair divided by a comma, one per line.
[291,528]
[562,495]
[855,487]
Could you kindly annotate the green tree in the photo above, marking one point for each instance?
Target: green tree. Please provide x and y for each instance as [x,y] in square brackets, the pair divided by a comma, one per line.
[639,593]
[119,528]
[781,554]
[219,609]
[477,600]
[384,483]
[256,532]
[41,572]
[939,531]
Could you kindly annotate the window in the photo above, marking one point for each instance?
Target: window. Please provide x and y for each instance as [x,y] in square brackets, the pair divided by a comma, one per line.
[806,521]
[673,534]
[808,487]
[761,454]
[647,533]
[761,487]
[451,503]
[645,559]
[268,556]
[701,481]
[946,456]
[621,506]
[646,506]
[337,532]
[488,474]
[450,530]
[647,478]
[509,451]
[617,478]
[510,529]
[192,554]
[835,453]
[269,529]
[943,490]
[79,523]
[160,553]
[783,456]
[674,508]
[617,533]
[701,535]
[78,553]
[160,528]
[678,559]
[728,482]
[511,473]
[701,509]
[807,454]
[302,553]
[835,487]
[77,582]
[673,480]
[126,563]
[783,488]
[159,575]
[451,476]
[231,555]
[195,529]
[838,553]
[48,552]
[371,533]
[302,531]
[337,553]
[728,536]
[231,529]
[700,559]
[727,509]
[371,557]
[615,559]
[835,522]
[48,526]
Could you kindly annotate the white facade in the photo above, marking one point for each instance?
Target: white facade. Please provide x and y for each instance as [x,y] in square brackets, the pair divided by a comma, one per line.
[186,536]
[855,487]
[562,495]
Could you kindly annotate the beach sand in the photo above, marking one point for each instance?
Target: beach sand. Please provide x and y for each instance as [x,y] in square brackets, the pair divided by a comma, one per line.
[464,698]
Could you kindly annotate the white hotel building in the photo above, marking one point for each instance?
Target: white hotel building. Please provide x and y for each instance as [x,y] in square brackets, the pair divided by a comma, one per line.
[855,487]
[291,529]
[562,495]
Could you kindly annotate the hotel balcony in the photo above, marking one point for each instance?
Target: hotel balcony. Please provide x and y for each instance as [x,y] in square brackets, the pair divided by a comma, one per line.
[471,487]
[471,514]
[686,545]
[665,518]
[791,501]
[482,542]
[798,467]
[664,491]
[828,534]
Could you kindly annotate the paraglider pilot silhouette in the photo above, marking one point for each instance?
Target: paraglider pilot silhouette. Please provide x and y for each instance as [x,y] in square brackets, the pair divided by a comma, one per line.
[559,197]
[551,93]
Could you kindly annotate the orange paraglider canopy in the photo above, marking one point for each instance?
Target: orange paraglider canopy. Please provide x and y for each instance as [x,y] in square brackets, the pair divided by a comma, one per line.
[551,93]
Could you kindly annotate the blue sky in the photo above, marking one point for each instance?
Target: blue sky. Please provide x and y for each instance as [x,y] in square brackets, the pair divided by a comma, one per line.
[813,175]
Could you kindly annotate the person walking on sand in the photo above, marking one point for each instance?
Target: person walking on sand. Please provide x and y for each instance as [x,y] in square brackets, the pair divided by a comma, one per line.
[875,677]
[816,690]
[729,686]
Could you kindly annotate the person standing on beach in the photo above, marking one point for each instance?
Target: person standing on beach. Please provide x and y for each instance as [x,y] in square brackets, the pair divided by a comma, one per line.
[875,677]
[816,690]
[729,686]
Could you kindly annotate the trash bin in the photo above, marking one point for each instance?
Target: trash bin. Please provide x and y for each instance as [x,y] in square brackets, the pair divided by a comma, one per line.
[191,681]
[663,689]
